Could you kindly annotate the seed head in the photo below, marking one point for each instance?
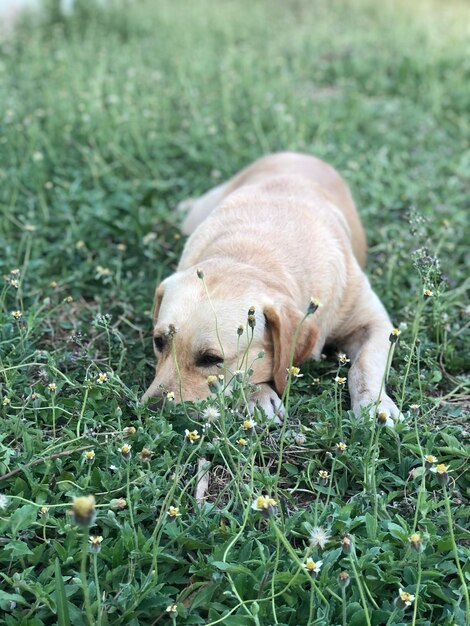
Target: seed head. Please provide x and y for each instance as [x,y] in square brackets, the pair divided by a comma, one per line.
[118,504]
[240,330]
[200,273]
[343,579]
[128,431]
[145,454]
[213,383]
[346,544]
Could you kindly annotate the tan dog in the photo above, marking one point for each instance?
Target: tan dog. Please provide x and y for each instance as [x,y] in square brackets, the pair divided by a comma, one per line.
[281,231]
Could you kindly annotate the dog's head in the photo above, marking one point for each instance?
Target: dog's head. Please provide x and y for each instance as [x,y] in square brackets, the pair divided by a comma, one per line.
[197,332]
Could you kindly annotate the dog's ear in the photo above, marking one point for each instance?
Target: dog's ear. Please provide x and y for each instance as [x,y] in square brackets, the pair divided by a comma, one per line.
[157,300]
[282,322]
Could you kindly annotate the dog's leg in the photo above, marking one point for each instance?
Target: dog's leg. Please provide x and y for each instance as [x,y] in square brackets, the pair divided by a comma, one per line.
[267,399]
[368,346]
[199,208]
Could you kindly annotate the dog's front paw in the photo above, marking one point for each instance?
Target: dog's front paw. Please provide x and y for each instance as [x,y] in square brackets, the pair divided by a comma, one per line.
[386,411]
[266,398]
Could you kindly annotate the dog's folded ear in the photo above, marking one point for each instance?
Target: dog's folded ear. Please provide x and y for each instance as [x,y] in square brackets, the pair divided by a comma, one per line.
[157,300]
[282,322]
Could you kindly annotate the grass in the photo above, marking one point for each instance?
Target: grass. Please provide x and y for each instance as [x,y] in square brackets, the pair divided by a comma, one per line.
[108,120]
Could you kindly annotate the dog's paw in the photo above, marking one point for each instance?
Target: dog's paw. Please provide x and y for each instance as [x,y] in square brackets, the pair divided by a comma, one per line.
[266,398]
[386,410]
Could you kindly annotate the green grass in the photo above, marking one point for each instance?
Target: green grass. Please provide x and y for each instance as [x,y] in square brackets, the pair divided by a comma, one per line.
[108,120]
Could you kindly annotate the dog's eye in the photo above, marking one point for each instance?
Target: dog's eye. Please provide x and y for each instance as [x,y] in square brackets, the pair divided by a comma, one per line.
[207,359]
[159,343]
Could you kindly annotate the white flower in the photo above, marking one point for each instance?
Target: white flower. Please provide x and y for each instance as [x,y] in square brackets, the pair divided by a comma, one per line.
[319,536]
[3,502]
[313,567]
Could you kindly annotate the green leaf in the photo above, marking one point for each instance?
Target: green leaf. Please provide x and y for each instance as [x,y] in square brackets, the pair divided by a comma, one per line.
[23,518]
[63,618]
[18,548]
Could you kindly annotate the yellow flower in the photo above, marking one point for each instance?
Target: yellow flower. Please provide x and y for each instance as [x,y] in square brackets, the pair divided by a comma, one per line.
[341,447]
[172,609]
[191,435]
[44,511]
[17,314]
[52,387]
[416,542]
[294,372]
[323,476]
[173,512]
[125,450]
[343,359]
[83,510]
[6,401]
[89,455]
[313,567]
[382,417]
[427,293]
[404,599]
[102,378]
[340,380]
[170,396]
[53,284]
[68,299]
[214,383]
[265,505]
[242,442]
[248,425]
[395,333]
[430,460]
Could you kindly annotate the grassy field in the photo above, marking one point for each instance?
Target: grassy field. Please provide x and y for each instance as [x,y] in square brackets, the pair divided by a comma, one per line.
[107,121]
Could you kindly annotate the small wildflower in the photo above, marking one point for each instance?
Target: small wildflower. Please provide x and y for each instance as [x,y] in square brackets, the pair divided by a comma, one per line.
[172,609]
[312,567]
[53,284]
[404,599]
[6,401]
[427,293]
[4,502]
[68,299]
[414,407]
[340,447]
[300,439]
[15,272]
[343,359]
[173,512]
[200,273]
[145,454]
[52,387]
[382,417]
[213,383]
[238,375]
[125,451]
[128,431]
[17,314]
[38,156]
[240,330]
[89,455]
[416,542]
[211,414]
[102,271]
[313,305]
[15,283]
[118,504]
[346,544]
[442,475]
[170,396]
[80,244]
[393,338]
[102,378]
[251,321]
[294,372]
[430,460]
[319,537]
[121,247]
[95,543]
[323,476]
[248,426]
[191,435]
[242,442]
[340,380]
[265,505]
[83,510]
[343,579]
[44,511]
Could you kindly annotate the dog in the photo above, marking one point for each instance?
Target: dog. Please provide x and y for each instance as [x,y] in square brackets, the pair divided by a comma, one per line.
[282,230]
